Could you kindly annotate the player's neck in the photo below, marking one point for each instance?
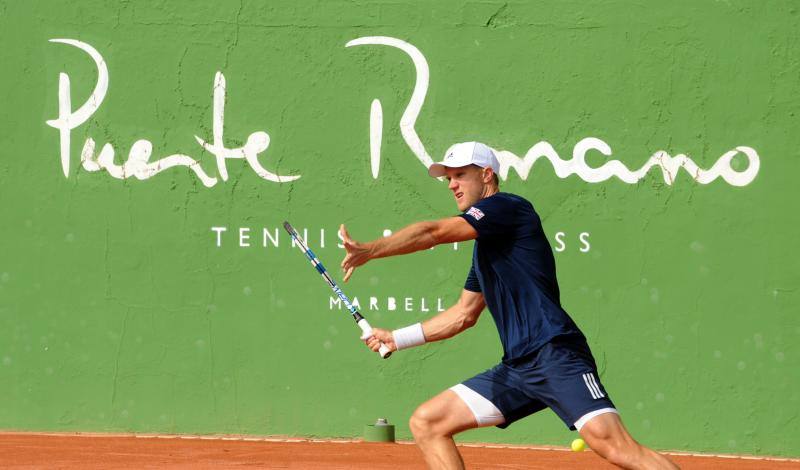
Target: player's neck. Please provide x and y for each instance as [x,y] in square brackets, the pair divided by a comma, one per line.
[489,190]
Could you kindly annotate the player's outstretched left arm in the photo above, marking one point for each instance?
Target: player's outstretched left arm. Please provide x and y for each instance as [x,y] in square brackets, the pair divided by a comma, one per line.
[415,237]
[464,314]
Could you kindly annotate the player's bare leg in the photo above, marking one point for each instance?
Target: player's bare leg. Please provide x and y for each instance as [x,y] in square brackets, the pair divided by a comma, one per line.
[607,436]
[435,422]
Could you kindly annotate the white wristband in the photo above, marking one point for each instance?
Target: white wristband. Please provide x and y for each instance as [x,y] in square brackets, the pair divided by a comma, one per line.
[409,336]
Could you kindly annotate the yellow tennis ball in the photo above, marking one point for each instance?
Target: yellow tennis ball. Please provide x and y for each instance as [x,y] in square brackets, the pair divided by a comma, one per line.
[578,445]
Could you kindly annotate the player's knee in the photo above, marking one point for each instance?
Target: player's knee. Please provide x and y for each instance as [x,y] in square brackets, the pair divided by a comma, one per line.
[418,427]
[419,423]
[422,422]
[595,432]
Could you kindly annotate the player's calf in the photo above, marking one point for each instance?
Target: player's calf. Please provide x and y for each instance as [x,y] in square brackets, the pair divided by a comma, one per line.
[434,438]
[607,436]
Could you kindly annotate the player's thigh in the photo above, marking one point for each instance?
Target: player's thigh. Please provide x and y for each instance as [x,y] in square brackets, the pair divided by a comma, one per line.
[564,377]
[446,413]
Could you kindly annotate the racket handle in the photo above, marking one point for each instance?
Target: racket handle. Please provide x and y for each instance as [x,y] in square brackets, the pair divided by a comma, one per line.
[384,351]
[366,331]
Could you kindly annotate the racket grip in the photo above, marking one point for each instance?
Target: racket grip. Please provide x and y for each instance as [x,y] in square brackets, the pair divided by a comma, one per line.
[366,331]
[384,351]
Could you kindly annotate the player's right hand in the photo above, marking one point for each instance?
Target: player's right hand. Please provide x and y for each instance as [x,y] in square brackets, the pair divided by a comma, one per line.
[380,335]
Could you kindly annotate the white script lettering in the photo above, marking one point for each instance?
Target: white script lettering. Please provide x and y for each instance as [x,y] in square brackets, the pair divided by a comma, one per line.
[138,163]
[577,165]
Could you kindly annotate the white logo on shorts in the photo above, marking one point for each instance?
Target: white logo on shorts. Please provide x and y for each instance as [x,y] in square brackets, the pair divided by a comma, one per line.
[591,384]
[475,212]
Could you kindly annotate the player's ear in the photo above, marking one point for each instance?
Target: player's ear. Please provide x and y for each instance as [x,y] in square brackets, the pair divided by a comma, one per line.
[488,175]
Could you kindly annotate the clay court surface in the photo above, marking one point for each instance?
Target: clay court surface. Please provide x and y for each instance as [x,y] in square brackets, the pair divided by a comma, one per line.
[74,451]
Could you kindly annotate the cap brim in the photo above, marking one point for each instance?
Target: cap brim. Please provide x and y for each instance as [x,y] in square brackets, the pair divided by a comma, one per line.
[440,169]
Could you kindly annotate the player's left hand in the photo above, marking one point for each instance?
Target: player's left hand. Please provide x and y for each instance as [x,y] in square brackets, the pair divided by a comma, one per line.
[380,335]
[357,254]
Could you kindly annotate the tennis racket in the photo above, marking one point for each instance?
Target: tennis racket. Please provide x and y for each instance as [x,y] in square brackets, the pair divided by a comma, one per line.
[360,320]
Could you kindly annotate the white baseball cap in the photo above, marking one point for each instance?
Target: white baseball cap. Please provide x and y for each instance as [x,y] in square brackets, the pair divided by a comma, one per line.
[463,154]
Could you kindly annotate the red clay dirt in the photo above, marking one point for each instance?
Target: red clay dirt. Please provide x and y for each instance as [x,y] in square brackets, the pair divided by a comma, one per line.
[93,451]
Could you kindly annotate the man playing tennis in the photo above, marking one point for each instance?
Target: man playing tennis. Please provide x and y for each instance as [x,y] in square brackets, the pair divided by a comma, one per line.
[547,362]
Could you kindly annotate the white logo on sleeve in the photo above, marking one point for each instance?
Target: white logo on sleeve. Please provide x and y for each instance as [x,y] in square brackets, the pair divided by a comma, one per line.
[475,212]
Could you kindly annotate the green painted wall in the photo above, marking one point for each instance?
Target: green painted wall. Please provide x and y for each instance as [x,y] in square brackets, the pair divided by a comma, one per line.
[119,312]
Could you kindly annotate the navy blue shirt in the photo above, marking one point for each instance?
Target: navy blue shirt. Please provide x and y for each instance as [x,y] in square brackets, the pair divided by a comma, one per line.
[514,268]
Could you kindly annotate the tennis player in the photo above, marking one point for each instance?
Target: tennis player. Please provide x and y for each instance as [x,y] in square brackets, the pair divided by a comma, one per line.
[546,363]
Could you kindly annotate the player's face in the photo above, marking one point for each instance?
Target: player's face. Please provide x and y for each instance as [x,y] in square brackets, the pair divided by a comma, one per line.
[468,184]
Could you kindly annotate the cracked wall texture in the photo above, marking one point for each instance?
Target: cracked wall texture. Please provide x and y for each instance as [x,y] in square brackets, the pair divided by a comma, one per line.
[118,312]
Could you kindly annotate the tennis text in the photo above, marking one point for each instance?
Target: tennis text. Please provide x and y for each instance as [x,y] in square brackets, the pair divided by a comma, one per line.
[270,237]
[267,237]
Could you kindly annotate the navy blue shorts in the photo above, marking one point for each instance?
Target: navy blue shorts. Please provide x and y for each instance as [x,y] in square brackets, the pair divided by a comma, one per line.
[561,375]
